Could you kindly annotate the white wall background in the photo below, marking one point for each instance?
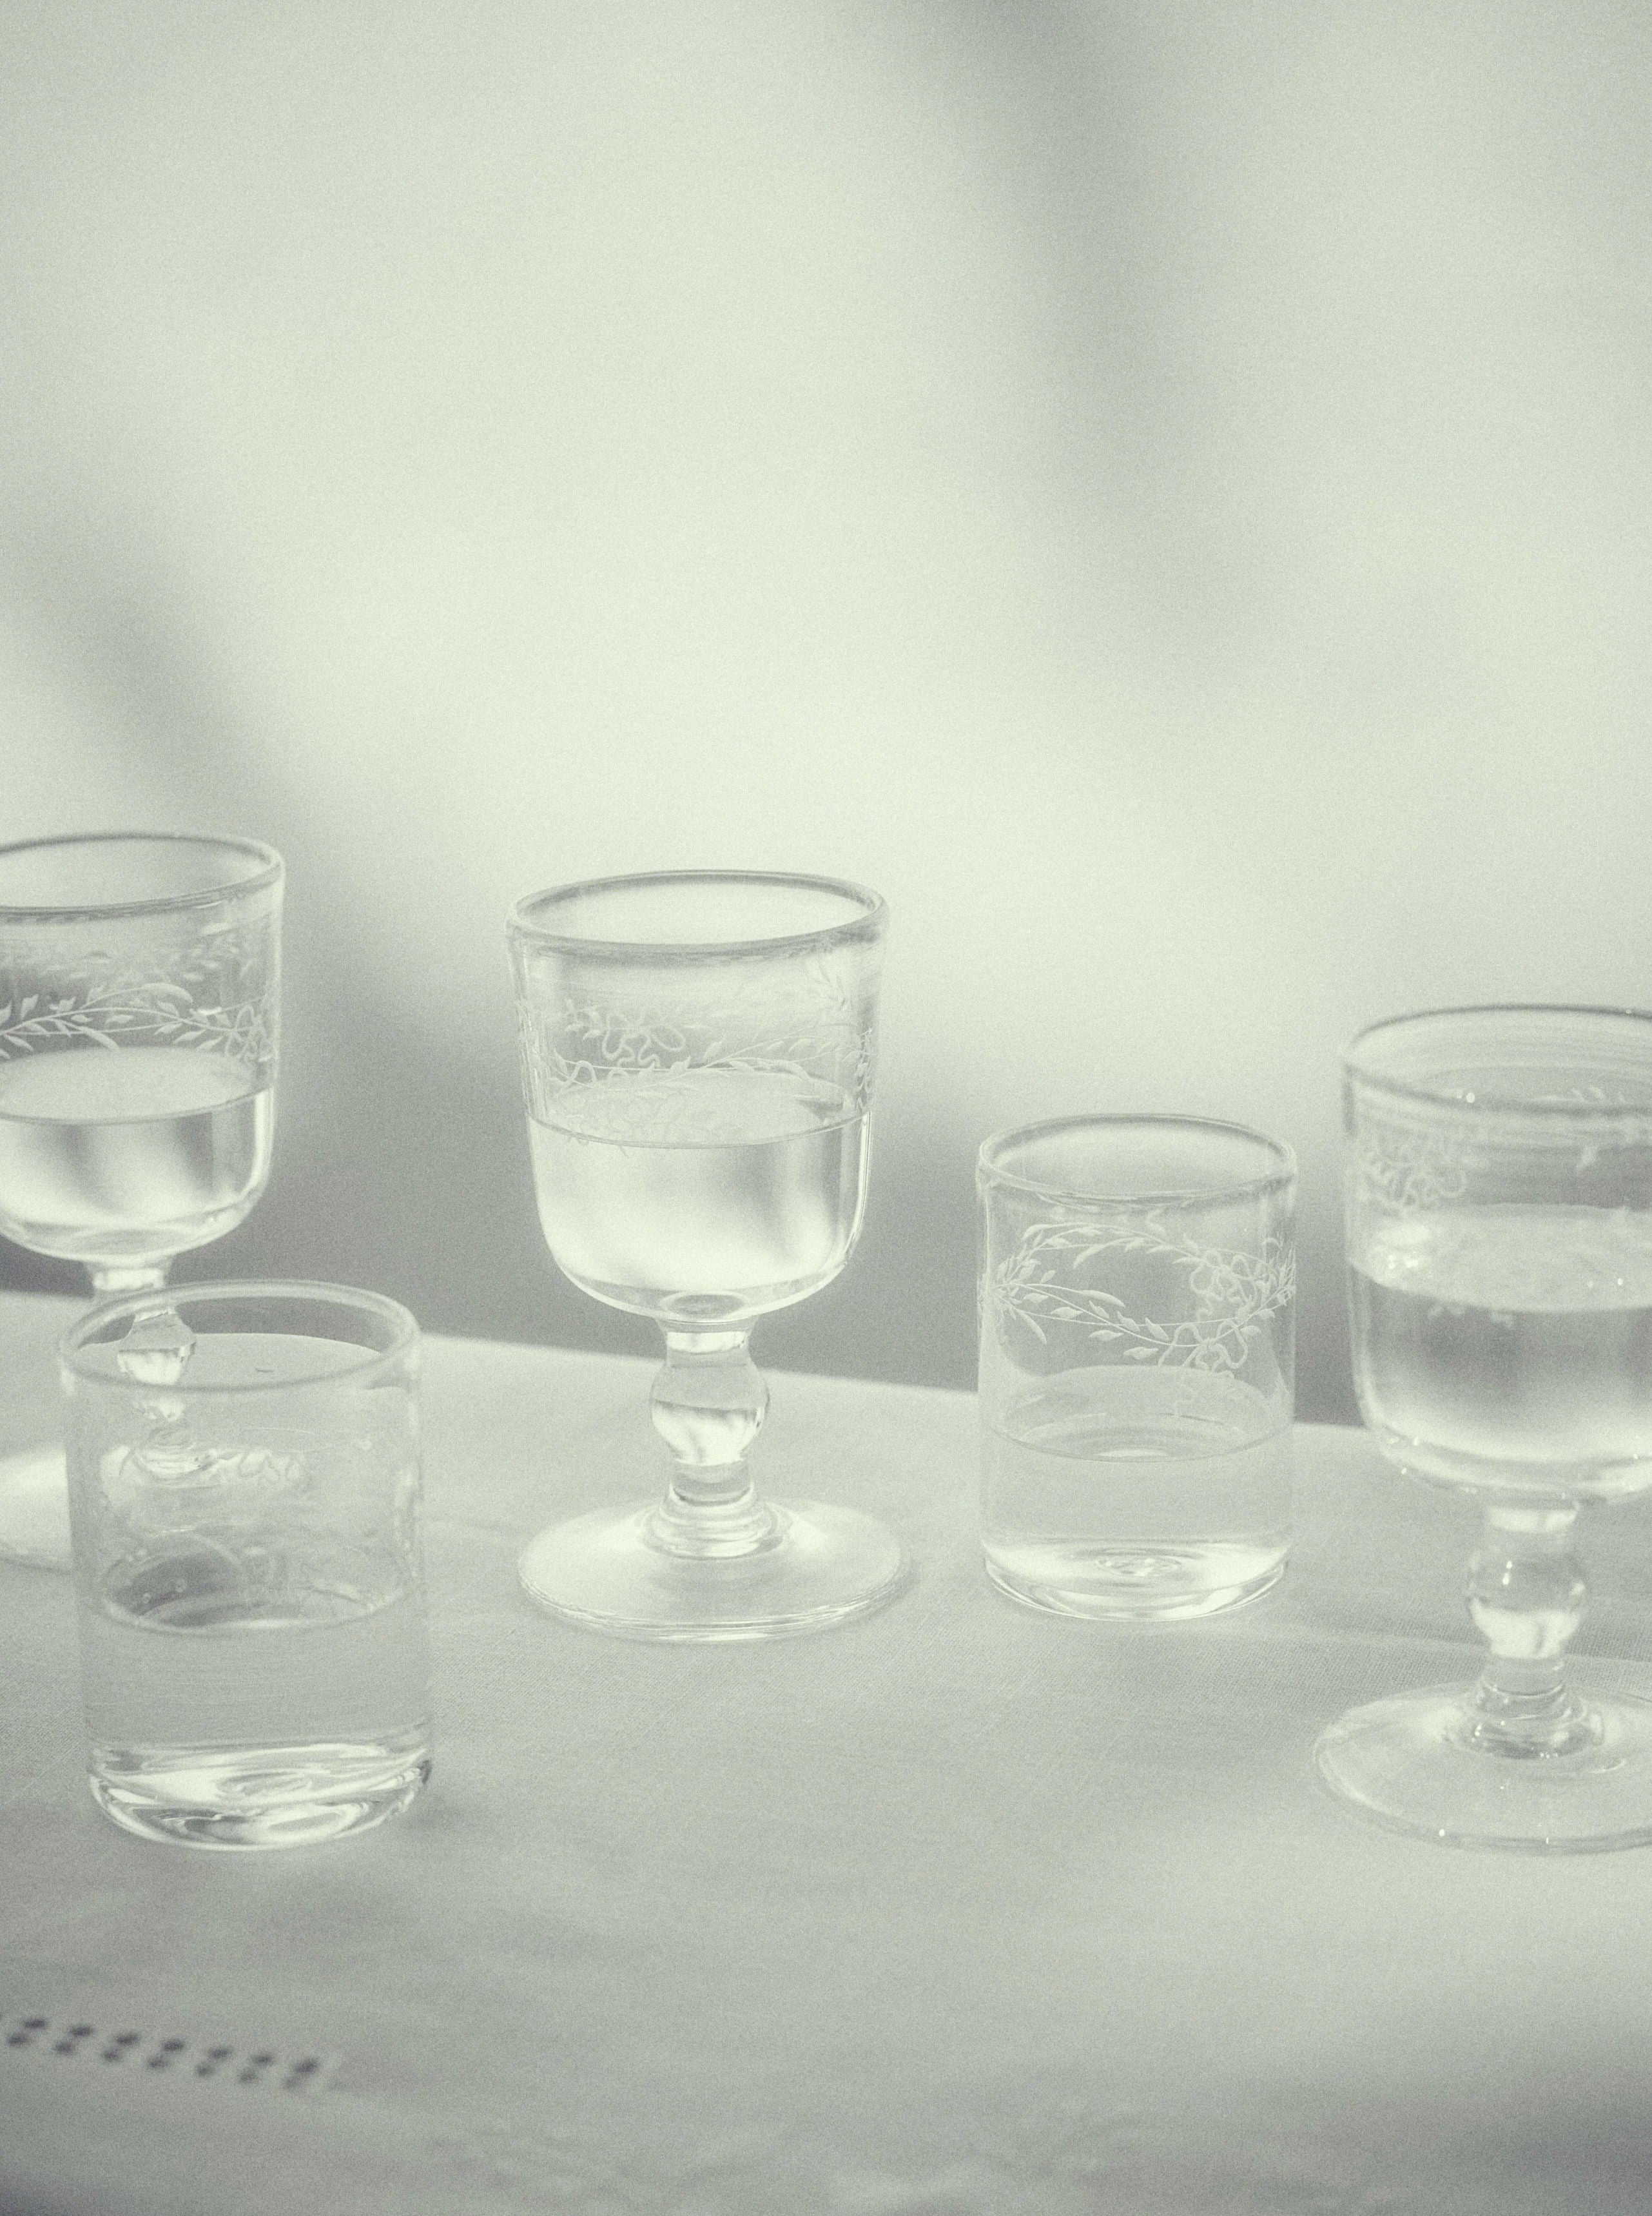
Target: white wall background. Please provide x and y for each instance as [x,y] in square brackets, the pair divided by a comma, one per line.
[1163,491]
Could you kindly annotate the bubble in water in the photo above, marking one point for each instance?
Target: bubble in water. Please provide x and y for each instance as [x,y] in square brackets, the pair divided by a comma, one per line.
[156,1349]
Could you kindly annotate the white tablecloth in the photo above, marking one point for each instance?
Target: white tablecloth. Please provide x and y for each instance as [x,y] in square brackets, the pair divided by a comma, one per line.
[960,1909]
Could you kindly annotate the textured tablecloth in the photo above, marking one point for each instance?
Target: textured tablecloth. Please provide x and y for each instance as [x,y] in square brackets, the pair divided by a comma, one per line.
[959,1909]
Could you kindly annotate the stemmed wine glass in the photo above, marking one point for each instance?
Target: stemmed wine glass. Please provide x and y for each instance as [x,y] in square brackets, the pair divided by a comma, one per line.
[1499,1188]
[138,991]
[697,1059]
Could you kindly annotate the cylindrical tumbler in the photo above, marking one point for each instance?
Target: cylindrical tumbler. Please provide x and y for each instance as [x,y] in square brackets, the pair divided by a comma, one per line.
[1137,1278]
[244,1497]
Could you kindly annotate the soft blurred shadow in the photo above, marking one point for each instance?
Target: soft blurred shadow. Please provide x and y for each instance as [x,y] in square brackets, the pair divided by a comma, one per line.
[1162,495]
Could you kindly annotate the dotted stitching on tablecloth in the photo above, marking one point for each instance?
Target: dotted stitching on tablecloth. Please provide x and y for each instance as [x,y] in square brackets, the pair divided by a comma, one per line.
[249,2065]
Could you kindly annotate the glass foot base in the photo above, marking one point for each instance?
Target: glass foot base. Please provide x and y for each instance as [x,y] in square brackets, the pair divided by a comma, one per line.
[1408,1764]
[257,1797]
[34,1508]
[823,1566]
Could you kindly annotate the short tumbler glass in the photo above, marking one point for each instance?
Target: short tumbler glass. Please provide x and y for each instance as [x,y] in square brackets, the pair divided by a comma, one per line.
[1138,1277]
[245,1499]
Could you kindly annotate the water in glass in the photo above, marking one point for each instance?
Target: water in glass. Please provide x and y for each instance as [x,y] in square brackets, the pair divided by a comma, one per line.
[1509,1348]
[143,1152]
[711,1193]
[1169,1482]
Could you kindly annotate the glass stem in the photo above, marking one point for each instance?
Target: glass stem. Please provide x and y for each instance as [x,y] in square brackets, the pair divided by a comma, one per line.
[708,1404]
[168,1449]
[1527,1597]
[110,1278]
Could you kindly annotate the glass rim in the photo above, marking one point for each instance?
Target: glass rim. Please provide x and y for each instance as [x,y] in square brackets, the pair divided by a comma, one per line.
[873,912]
[269,873]
[989,1169]
[1425,1095]
[73,1344]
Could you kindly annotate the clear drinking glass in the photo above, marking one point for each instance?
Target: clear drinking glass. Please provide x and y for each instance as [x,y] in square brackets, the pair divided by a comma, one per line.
[1138,1280]
[697,1057]
[138,997]
[244,1488]
[1498,1204]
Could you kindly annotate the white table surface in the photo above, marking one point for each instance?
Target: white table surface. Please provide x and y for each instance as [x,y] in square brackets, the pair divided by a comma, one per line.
[961,1909]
